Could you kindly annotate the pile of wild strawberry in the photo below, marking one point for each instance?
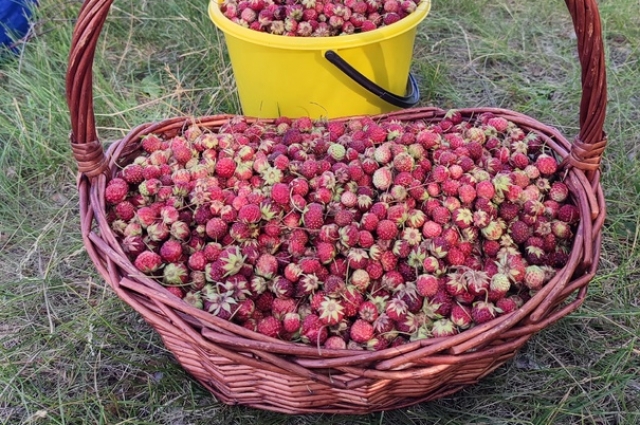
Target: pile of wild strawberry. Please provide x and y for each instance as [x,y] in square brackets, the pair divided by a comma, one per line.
[355,234]
[316,18]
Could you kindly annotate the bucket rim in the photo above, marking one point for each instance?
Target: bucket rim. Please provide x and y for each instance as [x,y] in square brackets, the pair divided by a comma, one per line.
[230,28]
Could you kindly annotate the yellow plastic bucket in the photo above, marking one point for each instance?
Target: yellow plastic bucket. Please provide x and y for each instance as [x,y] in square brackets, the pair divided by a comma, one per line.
[358,74]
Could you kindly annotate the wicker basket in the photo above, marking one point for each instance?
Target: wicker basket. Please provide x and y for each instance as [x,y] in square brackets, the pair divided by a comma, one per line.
[242,367]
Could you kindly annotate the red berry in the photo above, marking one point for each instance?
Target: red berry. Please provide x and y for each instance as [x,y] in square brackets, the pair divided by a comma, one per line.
[313,332]
[313,216]
[225,167]
[568,213]
[461,316]
[456,257]
[326,252]
[441,215]
[547,164]
[151,143]
[197,261]
[280,193]
[270,326]
[382,178]
[216,228]
[519,231]
[175,291]
[249,213]
[427,285]
[386,230]
[171,251]
[116,191]
[148,262]
[361,331]
[291,322]
[507,305]
[558,192]
[499,123]
[483,311]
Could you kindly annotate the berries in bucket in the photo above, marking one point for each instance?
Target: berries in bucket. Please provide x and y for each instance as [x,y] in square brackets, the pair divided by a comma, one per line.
[316,18]
[355,234]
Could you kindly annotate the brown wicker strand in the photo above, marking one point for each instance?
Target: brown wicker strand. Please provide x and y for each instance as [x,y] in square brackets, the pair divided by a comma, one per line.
[594,93]
[79,74]
[471,357]
[90,158]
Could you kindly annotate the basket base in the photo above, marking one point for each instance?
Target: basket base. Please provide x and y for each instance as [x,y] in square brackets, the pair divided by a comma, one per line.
[234,384]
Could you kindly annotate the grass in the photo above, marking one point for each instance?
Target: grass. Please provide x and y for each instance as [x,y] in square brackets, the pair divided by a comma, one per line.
[72,353]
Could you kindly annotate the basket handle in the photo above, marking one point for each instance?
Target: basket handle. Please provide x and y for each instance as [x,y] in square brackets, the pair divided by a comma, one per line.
[413,91]
[586,151]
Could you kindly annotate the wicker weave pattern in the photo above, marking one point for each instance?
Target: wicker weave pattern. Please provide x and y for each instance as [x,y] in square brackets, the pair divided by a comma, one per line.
[242,367]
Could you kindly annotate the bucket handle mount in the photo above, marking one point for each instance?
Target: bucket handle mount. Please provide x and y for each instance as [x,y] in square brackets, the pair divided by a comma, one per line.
[413,91]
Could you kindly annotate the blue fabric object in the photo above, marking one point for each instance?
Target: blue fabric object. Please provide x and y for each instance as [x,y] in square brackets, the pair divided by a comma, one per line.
[14,19]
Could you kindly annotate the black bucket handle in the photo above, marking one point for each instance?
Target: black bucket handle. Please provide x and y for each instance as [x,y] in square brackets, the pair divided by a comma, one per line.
[413,91]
